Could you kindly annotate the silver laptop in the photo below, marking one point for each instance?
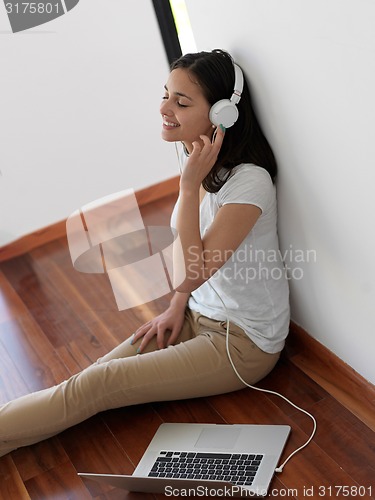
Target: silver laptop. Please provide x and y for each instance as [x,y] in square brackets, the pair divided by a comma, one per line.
[212,459]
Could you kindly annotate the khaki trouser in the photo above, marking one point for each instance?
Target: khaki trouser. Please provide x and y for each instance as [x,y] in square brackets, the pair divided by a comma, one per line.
[197,365]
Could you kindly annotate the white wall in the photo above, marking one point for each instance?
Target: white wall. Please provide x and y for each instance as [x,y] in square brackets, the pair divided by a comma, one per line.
[79,111]
[311,65]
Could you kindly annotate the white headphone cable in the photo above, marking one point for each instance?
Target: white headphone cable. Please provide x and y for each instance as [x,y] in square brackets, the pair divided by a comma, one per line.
[280,468]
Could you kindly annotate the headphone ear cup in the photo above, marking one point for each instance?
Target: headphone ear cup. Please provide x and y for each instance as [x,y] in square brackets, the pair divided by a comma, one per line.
[223,112]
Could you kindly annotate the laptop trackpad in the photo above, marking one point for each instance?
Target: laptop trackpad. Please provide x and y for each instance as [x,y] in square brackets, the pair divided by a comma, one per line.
[218,438]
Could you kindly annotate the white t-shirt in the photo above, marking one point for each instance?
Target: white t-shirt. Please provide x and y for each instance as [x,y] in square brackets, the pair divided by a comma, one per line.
[252,283]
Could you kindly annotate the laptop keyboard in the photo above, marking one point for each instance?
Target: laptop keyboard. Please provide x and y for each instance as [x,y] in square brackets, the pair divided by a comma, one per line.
[235,468]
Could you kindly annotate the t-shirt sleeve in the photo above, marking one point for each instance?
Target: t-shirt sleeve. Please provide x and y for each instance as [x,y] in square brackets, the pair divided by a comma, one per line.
[250,185]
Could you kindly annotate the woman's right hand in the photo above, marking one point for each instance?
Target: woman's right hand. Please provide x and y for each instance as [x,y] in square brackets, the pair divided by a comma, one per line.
[170,321]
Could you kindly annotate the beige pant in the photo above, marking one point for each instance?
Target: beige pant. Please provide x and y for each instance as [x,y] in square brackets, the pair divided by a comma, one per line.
[196,366]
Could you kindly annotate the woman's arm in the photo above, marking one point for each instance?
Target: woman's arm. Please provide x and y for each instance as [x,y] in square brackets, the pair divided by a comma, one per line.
[203,257]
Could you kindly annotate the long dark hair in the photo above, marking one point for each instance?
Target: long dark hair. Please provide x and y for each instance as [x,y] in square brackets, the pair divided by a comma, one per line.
[244,142]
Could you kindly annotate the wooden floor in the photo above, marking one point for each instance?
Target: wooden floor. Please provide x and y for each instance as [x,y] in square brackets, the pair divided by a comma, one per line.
[55,321]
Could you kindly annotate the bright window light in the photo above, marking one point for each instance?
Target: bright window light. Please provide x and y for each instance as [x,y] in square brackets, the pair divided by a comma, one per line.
[184,31]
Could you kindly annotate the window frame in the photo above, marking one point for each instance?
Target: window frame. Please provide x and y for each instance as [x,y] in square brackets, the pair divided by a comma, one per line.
[168,29]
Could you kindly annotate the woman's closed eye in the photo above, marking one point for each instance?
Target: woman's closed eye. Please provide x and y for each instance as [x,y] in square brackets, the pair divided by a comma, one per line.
[180,104]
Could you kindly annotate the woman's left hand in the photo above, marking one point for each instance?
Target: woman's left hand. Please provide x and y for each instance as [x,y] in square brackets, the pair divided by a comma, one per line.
[201,161]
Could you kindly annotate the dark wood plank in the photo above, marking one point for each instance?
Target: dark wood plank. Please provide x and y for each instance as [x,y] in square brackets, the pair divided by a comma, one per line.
[9,300]
[133,428]
[34,460]
[250,407]
[350,444]
[294,385]
[11,484]
[91,447]
[37,361]
[12,385]
[193,410]
[60,483]
[331,373]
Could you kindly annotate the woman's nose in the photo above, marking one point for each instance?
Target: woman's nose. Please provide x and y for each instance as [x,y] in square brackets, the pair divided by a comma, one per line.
[165,107]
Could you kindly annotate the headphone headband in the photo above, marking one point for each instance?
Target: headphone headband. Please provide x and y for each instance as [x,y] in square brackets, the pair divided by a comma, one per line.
[238,84]
[225,112]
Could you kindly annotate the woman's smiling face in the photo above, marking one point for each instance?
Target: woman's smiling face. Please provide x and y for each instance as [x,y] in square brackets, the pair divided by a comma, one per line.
[184,110]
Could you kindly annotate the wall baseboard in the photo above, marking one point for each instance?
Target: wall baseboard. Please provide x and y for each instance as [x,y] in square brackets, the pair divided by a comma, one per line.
[58,230]
[330,372]
[33,240]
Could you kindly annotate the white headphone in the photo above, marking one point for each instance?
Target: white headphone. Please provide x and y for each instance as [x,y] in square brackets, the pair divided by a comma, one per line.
[225,112]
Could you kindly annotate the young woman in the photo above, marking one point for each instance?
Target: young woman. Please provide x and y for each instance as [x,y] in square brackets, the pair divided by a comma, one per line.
[226,219]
